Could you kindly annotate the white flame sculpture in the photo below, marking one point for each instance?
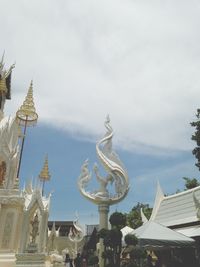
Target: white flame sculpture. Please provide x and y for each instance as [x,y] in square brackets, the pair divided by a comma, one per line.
[116,173]
[76,235]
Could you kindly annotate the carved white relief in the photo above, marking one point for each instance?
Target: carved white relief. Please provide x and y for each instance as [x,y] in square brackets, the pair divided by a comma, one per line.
[197,205]
[76,233]
[9,149]
[34,229]
[7,233]
[52,235]
[12,200]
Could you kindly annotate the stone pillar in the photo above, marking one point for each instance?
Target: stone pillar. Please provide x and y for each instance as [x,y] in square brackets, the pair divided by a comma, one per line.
[24,232]
[103,223]
[42,232]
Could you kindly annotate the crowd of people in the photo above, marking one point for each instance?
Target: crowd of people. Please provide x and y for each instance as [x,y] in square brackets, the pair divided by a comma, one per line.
[77,262]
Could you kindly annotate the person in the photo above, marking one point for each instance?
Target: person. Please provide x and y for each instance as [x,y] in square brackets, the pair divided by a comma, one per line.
[67,260]
[84,262]
[149,261]
[78,260]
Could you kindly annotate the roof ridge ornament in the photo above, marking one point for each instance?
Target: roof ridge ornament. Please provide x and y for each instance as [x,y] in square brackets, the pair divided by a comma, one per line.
[5,84]
[144,218]
[197,204]
[158,199]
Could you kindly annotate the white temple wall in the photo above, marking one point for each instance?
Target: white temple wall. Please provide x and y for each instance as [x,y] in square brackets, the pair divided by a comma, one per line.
[9,227]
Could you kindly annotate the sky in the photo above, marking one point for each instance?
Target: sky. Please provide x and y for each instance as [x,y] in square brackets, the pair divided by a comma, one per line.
[136,60]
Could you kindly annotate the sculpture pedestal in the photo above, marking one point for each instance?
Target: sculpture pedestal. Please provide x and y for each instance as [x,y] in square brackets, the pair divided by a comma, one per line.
[32,248]
[30,259]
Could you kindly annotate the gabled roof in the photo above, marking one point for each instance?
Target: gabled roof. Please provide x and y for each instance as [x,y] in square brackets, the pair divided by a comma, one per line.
[36,198]
[177,209]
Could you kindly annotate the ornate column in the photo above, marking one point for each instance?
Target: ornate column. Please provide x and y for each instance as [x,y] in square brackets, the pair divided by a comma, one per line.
[103,215]
[43,230]
[103,223]
[24,232]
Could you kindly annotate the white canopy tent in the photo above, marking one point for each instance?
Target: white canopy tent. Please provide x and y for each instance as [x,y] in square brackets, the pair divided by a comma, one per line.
[152,234]
[125,231]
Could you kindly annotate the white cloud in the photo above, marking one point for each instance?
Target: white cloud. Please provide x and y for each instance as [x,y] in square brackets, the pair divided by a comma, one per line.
[138,61]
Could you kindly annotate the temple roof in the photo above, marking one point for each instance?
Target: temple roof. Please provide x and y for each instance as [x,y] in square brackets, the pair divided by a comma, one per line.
[177,209]
[36,197]
[63,226]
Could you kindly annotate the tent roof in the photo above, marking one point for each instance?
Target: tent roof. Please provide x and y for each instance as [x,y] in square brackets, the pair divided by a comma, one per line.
[155,234]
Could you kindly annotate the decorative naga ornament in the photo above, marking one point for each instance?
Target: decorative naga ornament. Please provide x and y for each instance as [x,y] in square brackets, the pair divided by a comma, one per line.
[44,174]
[76,234]
[116,173]
[5,83]
[26,116]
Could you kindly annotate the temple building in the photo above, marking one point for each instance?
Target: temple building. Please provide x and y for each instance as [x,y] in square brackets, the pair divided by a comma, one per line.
[23,213]
[180,211]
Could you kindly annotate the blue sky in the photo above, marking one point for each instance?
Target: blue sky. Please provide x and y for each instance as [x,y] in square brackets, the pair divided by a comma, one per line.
[66,155]
[137,60]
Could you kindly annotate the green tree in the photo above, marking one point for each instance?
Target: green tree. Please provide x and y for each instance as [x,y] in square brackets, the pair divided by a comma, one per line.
[190,183]
[117,220]
[134,219]
[196,137]
[113,239]
[136,254]
[131,239]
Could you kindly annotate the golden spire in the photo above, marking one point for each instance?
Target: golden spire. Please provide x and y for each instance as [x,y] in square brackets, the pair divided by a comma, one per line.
[26,115]
[44,174]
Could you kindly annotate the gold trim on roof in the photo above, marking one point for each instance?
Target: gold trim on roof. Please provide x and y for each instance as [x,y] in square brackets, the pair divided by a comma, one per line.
[26,113]
[4,75]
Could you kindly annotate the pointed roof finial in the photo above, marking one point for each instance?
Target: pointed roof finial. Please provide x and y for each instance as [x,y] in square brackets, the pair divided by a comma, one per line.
[1,63]
[44,174]
[26,113]
[5,78]
[144,218]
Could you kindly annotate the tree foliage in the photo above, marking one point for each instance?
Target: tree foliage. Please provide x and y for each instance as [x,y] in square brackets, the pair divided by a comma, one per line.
[131,240]
[117,220]
[134,219]
[196,138]
[190,183]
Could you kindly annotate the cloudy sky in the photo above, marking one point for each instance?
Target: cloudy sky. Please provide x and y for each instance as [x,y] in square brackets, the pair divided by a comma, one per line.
[137,60]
